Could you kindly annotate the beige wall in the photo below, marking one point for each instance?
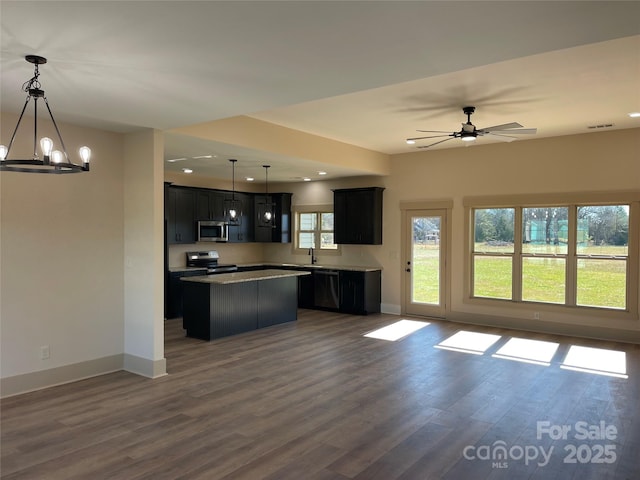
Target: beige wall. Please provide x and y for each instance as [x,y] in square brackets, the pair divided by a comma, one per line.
[61,258]
[604,161]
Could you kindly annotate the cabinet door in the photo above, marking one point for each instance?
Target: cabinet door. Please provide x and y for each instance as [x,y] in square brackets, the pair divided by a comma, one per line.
[180,216]
[244,232]
[360,292]
[358,216]
[210,205]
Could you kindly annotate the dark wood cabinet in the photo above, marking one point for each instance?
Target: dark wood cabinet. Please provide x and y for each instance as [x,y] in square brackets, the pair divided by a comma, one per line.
[265,232]
[245,231]
[360,292]
[180,215]
[358,216]
[173,308]
[209,204]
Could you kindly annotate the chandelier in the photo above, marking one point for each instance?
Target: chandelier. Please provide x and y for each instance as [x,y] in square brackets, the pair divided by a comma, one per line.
[52,161]
[233,207]
[266,214]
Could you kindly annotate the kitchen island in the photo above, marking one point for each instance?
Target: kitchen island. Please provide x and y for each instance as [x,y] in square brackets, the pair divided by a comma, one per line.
[216,306]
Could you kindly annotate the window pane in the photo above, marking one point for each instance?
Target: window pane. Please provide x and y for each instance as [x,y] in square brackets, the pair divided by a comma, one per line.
[492,277]
[326,221]
[307,221]
[326,241]
[602,283]
[603,230]
[543,280]
[493,230]
[545,230]
[306,240]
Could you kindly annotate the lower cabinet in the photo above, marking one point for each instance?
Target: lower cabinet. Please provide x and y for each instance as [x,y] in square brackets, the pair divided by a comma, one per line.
[360,292]
[173,307]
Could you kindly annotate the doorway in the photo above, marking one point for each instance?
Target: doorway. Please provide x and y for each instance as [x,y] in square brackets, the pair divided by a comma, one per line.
[425,268]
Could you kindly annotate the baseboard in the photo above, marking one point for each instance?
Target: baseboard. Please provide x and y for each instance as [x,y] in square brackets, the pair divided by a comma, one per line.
[390,308]
[51,377]
[144,366]
[556,328]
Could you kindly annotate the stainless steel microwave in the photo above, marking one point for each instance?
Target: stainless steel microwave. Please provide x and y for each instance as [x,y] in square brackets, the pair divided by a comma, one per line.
[210,231]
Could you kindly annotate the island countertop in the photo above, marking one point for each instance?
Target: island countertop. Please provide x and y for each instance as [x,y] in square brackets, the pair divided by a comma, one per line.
[238,277]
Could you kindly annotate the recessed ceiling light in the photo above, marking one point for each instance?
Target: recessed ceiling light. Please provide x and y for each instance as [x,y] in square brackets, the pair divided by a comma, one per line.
[203,156]
[249,179]
[187,170]
[322,173]
[171,160]
[634,114]
[306,179]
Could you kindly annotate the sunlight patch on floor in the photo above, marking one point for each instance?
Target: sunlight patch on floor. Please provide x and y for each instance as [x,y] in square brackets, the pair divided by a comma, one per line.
[528,351]
[600,361]
[397,330]
[469,342]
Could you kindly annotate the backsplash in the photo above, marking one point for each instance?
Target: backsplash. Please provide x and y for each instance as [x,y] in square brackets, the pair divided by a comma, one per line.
[234,253]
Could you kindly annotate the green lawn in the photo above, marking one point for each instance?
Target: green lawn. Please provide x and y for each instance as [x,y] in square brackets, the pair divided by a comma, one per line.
[601,282]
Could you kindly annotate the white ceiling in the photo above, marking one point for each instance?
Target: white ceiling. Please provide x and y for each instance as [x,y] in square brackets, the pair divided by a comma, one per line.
[367,73]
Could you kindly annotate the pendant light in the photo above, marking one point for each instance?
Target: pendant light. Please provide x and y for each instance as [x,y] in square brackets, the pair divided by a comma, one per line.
[52,161]
[232,206]
[266,211]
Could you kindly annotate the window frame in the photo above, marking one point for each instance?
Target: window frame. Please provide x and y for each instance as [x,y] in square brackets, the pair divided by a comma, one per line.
[318,210]
[572,201]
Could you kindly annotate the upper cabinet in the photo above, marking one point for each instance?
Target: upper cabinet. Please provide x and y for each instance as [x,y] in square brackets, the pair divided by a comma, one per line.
[358,215]
[244,231]
[267,232]
[209,204]
[185,206]
[180,205]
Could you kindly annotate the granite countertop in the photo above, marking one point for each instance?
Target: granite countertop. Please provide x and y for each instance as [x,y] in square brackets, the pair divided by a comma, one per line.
[352,268]
[238,277]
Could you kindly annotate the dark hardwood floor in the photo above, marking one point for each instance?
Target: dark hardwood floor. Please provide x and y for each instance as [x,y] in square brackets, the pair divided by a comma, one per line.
[315,400]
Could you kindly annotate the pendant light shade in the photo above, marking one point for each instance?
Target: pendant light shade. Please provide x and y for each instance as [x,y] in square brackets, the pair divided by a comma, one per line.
[266,211]
[233,206]
[53,160]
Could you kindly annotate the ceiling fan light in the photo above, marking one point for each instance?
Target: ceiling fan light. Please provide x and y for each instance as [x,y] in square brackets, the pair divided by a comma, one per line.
[468,138]
[411,142]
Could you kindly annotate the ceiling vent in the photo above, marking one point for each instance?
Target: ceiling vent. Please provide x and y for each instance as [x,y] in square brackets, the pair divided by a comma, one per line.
[602,125]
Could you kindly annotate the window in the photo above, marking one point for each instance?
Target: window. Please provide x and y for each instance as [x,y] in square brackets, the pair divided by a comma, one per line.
[570,253]
[314,229]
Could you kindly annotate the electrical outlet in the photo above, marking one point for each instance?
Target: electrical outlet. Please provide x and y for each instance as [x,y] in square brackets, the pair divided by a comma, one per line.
[536,315]
[45,353]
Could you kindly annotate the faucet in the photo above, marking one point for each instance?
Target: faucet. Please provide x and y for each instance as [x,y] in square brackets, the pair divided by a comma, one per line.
[313,259]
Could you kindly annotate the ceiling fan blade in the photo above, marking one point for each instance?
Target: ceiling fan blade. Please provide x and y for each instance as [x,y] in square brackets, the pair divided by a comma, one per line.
[427,146]
[432,131]
[502,138]
[432,136]
[520,131]
[504,126]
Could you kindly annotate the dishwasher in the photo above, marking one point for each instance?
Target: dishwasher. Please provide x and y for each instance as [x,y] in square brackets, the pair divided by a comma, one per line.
[326,289]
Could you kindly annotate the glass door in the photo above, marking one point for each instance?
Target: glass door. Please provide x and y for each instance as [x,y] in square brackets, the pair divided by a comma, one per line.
[425,254]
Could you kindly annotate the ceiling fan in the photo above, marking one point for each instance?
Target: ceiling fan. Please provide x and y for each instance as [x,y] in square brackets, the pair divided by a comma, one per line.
[469,132]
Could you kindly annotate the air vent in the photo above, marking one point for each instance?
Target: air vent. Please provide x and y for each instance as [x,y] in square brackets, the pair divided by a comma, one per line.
[602,125]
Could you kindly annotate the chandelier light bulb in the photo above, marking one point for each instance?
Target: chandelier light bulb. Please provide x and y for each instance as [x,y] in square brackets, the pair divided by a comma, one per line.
[267,216]
[57,156]
[85,154]
[46,144]
[233,213]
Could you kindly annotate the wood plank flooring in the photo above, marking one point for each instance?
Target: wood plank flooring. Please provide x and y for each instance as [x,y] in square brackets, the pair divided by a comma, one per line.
[315,400]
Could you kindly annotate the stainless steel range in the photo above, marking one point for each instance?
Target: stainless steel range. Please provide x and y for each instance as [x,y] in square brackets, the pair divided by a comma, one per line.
[208,260]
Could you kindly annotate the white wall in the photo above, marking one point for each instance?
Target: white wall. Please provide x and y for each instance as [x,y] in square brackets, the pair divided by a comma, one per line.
[61,261]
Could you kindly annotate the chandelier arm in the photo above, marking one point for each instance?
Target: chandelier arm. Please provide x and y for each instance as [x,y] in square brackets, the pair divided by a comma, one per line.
[17,125]
[64,149]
